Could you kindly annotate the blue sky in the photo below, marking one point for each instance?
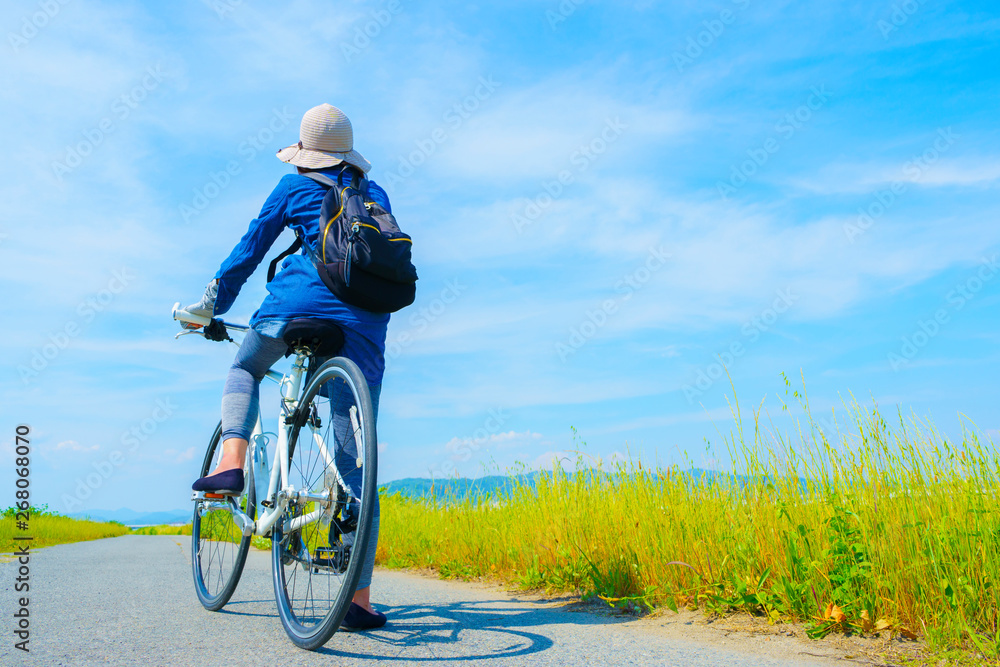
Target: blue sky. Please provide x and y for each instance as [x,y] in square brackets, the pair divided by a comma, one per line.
[608,200]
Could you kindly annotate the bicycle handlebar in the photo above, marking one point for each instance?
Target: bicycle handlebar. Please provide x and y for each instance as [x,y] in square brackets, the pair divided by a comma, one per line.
[182,315]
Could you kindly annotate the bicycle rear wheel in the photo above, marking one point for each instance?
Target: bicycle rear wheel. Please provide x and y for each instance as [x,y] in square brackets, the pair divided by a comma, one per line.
[319,544]
[218,546]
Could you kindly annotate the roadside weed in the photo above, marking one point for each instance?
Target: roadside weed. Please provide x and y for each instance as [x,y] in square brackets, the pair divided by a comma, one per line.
[856,525]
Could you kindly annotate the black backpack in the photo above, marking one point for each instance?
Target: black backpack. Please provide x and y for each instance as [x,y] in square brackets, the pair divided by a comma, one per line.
[363,257]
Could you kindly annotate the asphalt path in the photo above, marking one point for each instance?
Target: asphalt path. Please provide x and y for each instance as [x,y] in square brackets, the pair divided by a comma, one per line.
[130,601]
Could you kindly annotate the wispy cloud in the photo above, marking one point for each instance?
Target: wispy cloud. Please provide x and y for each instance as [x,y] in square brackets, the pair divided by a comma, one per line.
[590,124]
[175,457]
[863,178]
[74,446]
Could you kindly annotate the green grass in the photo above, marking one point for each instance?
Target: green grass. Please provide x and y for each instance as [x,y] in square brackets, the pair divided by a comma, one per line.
[257,542]
[864,528]
[877,528]
[48,528]
[163,530]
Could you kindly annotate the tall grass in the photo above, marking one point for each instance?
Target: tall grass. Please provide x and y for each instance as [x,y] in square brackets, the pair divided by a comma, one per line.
[866,528]
[184,529]
[49,528]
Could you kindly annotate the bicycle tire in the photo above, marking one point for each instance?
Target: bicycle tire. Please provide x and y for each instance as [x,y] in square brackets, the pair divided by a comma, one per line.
[291,550]
[215,591]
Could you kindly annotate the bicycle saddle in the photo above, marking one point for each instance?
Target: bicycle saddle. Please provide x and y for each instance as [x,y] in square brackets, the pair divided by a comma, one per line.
[323,337]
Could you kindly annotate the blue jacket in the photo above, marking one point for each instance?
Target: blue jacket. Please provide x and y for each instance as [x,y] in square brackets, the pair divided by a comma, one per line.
[297,290]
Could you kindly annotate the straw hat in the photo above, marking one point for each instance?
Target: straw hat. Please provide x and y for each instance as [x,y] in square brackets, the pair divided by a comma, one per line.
[326,138]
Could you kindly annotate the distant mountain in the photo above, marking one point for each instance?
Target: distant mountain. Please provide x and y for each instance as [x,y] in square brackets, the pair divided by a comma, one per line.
[454,488]
[133,518]
[457,487]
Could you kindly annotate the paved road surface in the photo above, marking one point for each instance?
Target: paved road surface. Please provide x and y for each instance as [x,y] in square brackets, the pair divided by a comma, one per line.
[130,601]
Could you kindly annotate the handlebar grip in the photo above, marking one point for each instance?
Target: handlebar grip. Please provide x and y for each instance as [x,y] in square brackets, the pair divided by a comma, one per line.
[182,315]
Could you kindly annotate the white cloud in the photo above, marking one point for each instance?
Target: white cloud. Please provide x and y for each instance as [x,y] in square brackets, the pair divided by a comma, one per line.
[495,344]
[487,441]
[536,132]
[176,457]
[74,446]
[861,178]
[728,263]
[961,172]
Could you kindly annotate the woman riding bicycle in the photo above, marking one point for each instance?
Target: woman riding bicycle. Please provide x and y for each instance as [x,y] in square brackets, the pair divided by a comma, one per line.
[326,145]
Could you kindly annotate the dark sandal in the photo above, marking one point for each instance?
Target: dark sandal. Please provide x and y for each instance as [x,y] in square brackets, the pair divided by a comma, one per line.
[359,619]
[227,483]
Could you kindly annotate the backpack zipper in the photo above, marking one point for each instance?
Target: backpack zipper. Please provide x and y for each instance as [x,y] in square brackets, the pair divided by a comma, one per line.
[355,229]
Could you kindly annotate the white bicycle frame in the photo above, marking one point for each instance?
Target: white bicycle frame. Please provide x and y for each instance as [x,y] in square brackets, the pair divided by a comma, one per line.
[279,491]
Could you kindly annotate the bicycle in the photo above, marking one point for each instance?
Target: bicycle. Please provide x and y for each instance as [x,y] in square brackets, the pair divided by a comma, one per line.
[320,493]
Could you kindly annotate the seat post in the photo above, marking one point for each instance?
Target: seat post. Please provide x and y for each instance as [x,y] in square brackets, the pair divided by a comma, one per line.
[292,382]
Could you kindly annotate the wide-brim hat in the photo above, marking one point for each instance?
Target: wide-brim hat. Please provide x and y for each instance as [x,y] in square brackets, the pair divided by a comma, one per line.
[326,138]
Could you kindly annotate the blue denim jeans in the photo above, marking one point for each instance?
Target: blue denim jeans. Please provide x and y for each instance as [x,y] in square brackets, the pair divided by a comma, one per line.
[241,405]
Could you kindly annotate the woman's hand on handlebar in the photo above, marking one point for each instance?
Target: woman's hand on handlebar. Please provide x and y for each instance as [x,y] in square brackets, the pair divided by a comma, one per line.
[203,308]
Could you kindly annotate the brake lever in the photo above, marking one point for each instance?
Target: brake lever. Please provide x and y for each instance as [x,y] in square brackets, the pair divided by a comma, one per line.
[188,333]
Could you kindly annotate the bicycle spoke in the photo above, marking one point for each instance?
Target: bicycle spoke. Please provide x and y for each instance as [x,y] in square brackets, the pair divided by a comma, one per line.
[218,546]
[323,461]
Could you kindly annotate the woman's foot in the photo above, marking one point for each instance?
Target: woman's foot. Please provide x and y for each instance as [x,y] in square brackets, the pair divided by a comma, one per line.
[227,478]
[234,453]
[359,618]
[228,482]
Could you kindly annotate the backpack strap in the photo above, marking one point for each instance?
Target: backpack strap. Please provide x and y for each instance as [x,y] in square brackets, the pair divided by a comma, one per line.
[322,179]
[273,268]
[357,178]
[329,184]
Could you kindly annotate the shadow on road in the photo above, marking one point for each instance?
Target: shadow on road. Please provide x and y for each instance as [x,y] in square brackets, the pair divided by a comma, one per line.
[461,631]
[229,608]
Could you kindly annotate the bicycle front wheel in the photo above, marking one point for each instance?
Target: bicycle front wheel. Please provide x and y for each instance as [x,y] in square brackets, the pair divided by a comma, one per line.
[319,544]
[218,546]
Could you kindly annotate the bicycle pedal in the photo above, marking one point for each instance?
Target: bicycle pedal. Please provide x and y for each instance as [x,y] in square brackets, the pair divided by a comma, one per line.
[331,558]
